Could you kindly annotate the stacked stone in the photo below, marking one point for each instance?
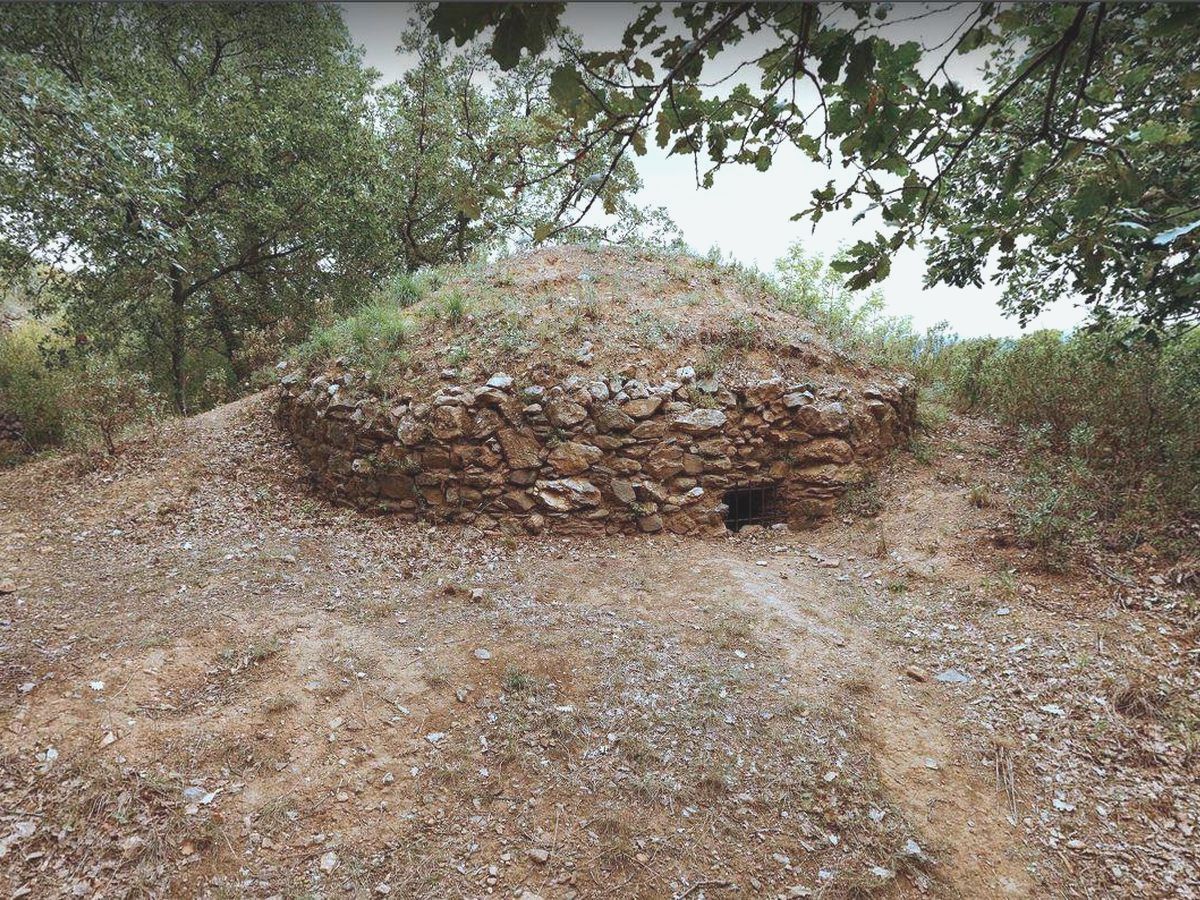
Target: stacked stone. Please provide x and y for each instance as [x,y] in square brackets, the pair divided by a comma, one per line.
[616,454]
[12,435]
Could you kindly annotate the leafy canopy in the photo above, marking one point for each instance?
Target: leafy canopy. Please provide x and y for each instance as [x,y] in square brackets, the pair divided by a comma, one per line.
[475,158]
[1072,166]
[206,182]
[199,171]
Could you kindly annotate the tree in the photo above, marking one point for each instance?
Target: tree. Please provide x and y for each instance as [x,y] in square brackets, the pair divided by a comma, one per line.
[475,158]
[1084,180]
[203,180]
[1073,166]
[198,171]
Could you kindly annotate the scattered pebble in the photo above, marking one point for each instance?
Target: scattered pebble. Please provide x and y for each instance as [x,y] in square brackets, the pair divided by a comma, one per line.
[952,676]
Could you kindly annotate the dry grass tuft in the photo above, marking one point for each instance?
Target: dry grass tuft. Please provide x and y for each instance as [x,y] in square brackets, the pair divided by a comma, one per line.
[1137,697]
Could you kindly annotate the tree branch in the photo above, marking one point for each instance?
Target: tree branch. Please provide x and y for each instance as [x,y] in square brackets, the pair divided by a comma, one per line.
[998,101]
[1066,41]
[247,260]
[699,44]
[1093,49]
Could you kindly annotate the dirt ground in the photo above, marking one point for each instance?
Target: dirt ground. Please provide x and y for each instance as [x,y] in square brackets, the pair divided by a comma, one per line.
[214,684]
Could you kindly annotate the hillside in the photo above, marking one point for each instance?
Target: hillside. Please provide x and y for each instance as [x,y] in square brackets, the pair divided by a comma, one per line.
[214,683]
[393,504]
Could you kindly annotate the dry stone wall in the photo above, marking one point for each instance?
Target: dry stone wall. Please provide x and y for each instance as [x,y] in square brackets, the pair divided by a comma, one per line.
[591,455]
[11,434]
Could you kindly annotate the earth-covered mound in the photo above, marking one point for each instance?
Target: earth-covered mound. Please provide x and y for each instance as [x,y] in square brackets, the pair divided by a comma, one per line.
[584,390]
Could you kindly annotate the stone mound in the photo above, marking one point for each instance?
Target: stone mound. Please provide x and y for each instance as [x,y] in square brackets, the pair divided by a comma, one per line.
[600,392]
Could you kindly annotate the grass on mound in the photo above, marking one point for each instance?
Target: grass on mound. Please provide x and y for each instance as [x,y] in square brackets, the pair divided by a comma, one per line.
[372,338]
[560,309]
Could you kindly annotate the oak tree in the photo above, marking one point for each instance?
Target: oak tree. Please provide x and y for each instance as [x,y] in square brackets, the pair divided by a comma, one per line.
[1071,165]
[199,171]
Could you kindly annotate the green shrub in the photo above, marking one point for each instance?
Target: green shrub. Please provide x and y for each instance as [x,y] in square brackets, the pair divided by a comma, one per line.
[63,399]
[253,363]
[932,414]
[107,398]
[745,332]
[457,356]
[1051,510]
[454,307]
[1112,438]
[403,289]
[712,360]
[517,681]
[1129,405]
[855,324]
[961,372]
[29,387]
[864,500]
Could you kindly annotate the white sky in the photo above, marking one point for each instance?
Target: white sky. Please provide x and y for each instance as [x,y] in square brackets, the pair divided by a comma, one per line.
[747,213]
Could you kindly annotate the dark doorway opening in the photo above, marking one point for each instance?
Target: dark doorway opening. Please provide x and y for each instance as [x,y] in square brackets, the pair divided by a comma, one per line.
[751,506]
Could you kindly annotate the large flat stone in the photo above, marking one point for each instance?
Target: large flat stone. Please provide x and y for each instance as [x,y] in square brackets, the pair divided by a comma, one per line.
[572,458]
[520,448]
[642,408]
[610,418]
[700,421]
[565,413]
[566,494]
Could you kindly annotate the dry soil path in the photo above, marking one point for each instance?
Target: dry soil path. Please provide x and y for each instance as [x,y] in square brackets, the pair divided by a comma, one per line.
[625,705]
[925,770]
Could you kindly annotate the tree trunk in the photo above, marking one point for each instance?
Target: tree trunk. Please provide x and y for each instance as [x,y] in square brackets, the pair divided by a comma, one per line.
[229,336]
[460,245]
[177,340]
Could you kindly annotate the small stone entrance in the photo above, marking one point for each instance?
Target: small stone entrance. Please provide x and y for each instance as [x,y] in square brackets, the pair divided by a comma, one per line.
[754,505]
